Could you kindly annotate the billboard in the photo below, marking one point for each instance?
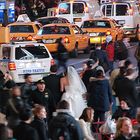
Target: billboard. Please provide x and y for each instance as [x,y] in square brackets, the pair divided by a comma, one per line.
[10,6]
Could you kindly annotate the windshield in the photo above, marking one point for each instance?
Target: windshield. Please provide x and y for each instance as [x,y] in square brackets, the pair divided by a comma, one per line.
[122,10]
[21,29]
[54,30]
[31,52]
[96,24]
[64,8]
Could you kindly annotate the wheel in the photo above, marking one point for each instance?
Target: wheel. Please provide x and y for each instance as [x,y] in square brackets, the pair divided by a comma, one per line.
[74,52]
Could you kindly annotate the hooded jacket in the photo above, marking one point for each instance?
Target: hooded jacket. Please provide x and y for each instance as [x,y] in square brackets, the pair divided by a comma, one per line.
[100,96]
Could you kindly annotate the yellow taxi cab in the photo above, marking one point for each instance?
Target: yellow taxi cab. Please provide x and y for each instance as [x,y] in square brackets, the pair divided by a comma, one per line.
[74,38]
[4,37]
[23,30]
[99,28]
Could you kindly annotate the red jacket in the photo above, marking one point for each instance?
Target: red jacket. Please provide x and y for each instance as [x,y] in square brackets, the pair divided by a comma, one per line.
[110,51]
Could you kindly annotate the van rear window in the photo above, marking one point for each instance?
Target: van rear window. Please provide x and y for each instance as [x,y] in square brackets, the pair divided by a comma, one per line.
[31,52]
[121,10]
[96,24]
[78,8]
[21,29]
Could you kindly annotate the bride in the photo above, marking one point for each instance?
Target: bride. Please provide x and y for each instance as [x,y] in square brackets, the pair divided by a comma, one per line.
[74,91]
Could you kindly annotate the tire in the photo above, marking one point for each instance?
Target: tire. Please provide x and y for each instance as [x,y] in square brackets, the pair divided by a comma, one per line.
[74,52]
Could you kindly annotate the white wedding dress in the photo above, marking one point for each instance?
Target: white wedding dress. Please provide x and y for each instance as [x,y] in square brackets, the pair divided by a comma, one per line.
[74,92]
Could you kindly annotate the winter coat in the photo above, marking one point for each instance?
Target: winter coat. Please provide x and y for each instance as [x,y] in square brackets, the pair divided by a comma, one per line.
[130,113]
[42,128]
[125,89]
[44,98]
[25,132]
[52,82]
[61,116]
[110,51]
[100,95]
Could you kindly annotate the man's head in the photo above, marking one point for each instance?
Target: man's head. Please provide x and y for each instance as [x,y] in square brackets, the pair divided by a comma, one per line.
[28,78]
[16,91]
[63,105]
[53,68]
[40,85]
[26,114]
[90,63]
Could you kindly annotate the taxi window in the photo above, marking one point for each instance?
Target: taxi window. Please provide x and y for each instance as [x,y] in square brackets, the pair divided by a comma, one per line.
[54,30]
[121,9]
[64,8]
[78,8]
[21,29]
[31,52]
[6,52]
[96,24]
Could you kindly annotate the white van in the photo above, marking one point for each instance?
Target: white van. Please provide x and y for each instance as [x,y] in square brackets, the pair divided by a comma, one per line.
[76,11]
[126,13]
[20,58]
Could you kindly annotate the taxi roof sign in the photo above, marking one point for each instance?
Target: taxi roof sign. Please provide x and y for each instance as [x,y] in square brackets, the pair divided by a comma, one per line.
[23,18]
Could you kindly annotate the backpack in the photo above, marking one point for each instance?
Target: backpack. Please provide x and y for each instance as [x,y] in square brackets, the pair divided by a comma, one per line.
[63,129]
[121,51]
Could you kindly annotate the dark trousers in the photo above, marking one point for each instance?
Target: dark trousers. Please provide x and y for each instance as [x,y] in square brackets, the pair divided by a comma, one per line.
[99,116]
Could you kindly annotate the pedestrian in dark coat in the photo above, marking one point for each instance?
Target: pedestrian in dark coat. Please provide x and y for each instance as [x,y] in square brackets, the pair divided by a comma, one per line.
[100,96]
[100,55]
[43,96]
[62,54]
[89,72]
[52,82]
[39,122]
[125,89]
[15,105]
[63,117]
[24,131]
[137,55]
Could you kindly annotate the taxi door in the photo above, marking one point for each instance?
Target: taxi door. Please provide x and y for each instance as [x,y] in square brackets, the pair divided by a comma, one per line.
[80,38]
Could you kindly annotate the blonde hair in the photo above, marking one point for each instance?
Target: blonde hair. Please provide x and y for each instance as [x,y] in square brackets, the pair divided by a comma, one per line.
[120,124]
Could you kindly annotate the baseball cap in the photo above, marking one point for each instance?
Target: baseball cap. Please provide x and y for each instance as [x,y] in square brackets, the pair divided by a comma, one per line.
[90,62]
[41,81]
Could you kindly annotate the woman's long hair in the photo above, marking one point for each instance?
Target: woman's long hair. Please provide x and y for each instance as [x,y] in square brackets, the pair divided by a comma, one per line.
[119,125]
[85,116]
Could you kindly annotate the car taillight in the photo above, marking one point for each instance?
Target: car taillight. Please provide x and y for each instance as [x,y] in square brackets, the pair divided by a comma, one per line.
[52,62]
[108,33]
[11,66]
[30,38]
[66,40]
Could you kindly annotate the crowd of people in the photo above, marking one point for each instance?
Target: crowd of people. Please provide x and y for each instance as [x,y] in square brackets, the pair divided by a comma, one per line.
[65,106]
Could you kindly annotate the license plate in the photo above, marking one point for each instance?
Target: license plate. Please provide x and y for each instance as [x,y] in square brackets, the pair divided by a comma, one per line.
[121,22]
[49,41]
[94,34]
[33,65]
[33,71]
